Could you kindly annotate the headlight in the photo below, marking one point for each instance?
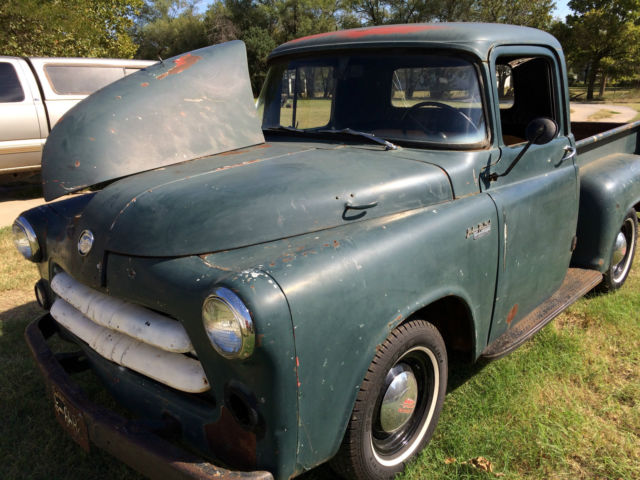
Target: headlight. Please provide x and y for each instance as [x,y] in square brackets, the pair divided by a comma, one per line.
[228,324]
[25,240]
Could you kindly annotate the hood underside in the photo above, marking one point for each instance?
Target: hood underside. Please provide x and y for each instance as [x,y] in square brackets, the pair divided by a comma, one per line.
[186,107]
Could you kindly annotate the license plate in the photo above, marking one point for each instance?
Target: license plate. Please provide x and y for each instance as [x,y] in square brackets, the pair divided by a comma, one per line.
[71,419]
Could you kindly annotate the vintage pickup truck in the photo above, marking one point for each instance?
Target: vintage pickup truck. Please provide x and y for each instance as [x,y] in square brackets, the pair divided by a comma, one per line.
[279,289]
[36,92]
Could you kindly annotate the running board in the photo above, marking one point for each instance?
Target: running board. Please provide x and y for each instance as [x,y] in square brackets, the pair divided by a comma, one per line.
[576,283]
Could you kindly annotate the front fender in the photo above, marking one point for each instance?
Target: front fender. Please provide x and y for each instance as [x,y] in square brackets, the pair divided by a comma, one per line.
[609,188]
[266,379]
[348,287]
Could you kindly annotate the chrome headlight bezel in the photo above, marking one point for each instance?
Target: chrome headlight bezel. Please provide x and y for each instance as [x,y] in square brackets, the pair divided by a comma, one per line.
[22,227]
[224,298]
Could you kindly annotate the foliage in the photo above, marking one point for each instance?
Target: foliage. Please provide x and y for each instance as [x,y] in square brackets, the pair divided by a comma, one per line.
[602,38]
[533,13]
[74,28]
[166,28]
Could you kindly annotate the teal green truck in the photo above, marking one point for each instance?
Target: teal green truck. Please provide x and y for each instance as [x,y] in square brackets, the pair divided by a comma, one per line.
[265,287]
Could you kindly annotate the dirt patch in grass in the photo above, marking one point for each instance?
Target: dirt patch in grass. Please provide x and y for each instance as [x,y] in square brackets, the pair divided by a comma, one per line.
[601,115]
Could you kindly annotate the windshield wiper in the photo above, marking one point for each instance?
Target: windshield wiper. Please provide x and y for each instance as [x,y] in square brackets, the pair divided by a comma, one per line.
[346,131]
[282,128]
[370,136]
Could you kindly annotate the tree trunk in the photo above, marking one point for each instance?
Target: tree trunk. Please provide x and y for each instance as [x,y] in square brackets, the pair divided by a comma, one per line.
[591,80]
[603,84]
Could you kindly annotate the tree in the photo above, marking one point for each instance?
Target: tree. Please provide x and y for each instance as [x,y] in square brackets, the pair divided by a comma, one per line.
[263,24]
[166,28]
[530,13]
[74,28]
[603,39]
[533,13]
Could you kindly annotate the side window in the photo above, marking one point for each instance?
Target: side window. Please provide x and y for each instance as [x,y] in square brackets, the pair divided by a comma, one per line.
[10,88]
[81,80]
[525,91]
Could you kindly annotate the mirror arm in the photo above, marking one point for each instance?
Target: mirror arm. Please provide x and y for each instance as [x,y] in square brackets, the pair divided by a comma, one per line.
[494,176]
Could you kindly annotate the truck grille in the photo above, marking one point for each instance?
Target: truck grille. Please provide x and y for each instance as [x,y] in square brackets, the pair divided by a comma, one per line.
[129,335]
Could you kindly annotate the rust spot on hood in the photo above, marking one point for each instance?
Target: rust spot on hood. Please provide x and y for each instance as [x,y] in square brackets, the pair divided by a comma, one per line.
[181,64]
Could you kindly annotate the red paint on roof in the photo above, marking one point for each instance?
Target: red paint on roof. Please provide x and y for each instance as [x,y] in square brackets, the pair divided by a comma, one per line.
[371,31]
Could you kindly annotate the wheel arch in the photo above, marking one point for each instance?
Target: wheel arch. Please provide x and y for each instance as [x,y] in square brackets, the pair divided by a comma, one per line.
[453,318]
[609,188]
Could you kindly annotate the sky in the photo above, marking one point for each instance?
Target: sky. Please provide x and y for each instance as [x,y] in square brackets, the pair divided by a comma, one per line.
[561,10]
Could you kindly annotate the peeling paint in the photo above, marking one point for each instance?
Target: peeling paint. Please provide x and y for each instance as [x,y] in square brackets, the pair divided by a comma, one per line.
[512,313]
[181,64]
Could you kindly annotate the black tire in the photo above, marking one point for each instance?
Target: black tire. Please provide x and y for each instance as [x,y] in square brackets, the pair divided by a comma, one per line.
[621,259]
[369,452]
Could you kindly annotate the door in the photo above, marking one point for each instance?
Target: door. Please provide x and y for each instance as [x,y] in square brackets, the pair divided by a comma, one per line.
[20,138]
[537,201]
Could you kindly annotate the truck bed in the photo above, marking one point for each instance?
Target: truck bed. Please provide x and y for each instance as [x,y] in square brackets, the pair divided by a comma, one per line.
[595,140]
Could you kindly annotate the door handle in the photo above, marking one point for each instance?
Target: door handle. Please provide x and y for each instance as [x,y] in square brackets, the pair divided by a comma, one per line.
[570,152]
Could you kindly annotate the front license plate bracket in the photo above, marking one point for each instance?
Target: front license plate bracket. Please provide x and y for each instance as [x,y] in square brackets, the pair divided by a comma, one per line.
[71,419]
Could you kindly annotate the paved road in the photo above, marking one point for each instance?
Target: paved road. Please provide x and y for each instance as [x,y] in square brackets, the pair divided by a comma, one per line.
[10,209]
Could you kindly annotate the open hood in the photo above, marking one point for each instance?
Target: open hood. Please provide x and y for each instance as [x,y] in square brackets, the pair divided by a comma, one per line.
[186,107]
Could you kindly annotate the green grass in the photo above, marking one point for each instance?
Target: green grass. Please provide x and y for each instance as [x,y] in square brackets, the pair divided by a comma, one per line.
[566,405]
[32,444]
[310,113]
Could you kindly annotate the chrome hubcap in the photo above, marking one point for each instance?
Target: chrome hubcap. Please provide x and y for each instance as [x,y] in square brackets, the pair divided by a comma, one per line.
[621,258]
[620,249]
[399,401]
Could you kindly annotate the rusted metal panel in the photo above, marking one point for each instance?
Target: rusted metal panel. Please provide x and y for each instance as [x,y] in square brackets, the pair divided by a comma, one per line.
[576,283]
[139,448]
[186,107]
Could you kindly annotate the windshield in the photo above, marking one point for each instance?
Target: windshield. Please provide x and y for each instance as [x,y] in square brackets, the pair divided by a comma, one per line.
[410,98]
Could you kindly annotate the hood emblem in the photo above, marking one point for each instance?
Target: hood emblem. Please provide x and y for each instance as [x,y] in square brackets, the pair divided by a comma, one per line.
[85,242]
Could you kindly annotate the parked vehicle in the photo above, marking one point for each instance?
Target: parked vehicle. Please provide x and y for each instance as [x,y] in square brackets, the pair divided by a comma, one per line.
[281,295]
[36,92]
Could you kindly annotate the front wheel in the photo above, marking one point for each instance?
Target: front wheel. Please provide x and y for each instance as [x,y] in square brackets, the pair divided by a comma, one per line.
[398,404]
[624,249]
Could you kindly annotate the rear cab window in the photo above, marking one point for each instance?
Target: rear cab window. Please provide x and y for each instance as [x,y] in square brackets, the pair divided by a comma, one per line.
[81,79]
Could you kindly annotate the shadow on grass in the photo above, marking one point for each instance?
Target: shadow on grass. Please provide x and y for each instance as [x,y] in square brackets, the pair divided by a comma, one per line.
[20,186]
[32,444]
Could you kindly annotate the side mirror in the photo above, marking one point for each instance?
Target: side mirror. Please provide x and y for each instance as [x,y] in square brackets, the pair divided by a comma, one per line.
[540,131]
